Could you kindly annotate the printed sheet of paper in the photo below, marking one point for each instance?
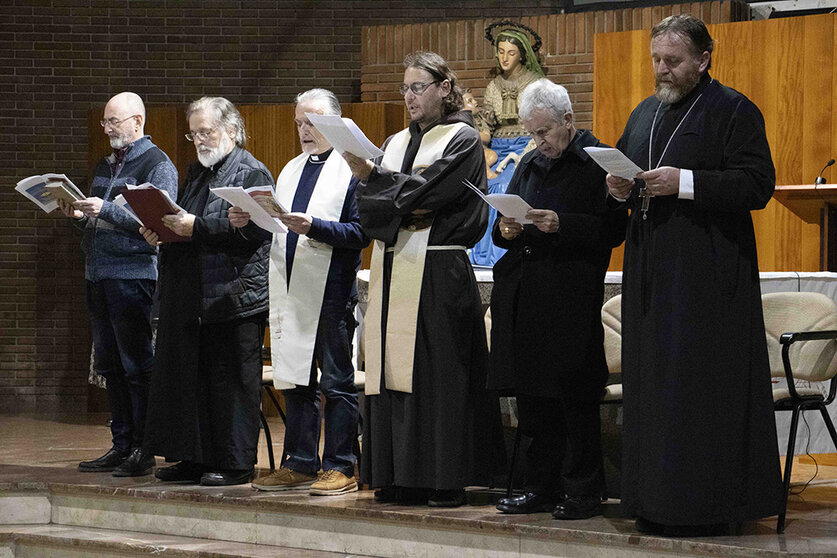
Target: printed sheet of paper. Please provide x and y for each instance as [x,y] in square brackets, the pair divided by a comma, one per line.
[120,201]
[614,161]
[344,135]
[508,205]
[34,189]
[244,199]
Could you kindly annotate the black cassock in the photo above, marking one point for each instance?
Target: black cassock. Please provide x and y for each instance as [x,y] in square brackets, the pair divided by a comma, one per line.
[699,433]
[204,400]
[446,434]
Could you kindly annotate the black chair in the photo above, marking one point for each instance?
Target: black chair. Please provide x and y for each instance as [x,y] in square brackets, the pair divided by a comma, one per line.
[801,331]
[267,386]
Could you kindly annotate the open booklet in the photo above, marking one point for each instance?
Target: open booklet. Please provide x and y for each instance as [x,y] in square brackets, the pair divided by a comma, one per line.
[508,205]
[614,161]
[44,190]
[149,204]
[344,135]
[260,202]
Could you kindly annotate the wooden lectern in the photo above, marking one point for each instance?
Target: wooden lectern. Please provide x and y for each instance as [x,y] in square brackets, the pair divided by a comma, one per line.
[816,204]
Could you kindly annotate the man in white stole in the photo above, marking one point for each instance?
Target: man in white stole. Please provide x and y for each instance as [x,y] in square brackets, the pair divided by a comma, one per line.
[312,298]
[430,427]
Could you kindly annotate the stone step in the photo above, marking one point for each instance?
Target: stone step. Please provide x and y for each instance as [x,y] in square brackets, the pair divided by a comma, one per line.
[349,525]
[24,541]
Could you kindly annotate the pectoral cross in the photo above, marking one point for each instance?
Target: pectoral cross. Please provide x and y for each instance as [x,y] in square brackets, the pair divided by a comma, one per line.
[646,201]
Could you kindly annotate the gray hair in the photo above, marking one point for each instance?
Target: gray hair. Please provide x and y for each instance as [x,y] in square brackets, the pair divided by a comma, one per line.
[324,96]
[545,95]
[226,116]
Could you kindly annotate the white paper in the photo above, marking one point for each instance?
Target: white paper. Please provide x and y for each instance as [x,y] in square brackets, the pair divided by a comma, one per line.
[344,135]
[121,202]
[508,205]
[614,162]
[239,197]
[34,189]
[56,179]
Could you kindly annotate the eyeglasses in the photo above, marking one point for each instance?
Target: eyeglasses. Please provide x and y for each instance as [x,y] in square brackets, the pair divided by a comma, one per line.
[113,122]
[416,87]
[201,135]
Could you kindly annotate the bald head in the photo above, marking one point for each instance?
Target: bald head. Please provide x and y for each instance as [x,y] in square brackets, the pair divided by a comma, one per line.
[124,119]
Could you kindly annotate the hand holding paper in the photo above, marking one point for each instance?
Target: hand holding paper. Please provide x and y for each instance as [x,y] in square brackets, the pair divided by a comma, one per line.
[259,202]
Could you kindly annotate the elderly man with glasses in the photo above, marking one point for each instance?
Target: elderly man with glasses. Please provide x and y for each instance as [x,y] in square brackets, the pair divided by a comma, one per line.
[121,275]
[430,428]
[204,405]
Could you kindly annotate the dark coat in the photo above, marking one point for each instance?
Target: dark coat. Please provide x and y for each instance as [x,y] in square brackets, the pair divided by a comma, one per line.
[204,400]
[699,435]
[546,334]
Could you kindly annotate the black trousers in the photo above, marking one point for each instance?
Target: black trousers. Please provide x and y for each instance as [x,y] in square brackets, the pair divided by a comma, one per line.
[229,392]
[565,456]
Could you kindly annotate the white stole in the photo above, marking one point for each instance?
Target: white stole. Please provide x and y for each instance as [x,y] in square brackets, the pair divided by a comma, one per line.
[295,308]
[407,274]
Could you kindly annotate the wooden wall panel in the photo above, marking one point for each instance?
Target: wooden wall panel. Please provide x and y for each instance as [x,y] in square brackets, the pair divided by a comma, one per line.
[567,50]
[785,66]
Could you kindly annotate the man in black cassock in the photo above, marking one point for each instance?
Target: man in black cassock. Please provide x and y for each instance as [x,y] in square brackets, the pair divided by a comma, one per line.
[700,447]
[430,427]
[203,410]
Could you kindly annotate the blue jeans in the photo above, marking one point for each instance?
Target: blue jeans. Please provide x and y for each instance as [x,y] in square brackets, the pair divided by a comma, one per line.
[333,354]
[120,316]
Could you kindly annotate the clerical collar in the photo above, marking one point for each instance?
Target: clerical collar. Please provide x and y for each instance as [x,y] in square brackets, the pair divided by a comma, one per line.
[319,158]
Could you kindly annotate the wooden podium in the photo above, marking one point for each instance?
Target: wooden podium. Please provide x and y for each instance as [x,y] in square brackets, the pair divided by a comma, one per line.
[816,204]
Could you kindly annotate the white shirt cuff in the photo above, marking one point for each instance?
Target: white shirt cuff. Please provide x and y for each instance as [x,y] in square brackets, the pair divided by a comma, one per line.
[687,185]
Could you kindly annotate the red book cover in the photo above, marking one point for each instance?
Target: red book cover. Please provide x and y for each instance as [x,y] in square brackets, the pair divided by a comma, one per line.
[150,205]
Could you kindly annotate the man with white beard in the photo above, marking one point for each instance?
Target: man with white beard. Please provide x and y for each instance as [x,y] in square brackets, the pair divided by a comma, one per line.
[203,409]
[121,274]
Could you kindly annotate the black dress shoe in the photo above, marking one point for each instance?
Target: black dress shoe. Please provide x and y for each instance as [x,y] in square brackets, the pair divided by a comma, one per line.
[108,462]
[386,494]
[185,471]
[227,478]
[528,502]
[578,507]
[447,498]
[138,464]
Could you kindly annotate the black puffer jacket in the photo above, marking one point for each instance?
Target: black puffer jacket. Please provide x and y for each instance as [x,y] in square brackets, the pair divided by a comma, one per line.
[233,262]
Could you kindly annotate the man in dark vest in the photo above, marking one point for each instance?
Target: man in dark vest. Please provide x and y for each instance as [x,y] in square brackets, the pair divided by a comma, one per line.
[121,274]
[699,437]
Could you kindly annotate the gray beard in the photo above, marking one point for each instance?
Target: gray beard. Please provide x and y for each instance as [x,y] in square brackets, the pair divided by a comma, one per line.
[119,142]
[668,93]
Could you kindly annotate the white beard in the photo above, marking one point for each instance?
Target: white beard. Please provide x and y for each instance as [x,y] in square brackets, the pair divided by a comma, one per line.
[210,157]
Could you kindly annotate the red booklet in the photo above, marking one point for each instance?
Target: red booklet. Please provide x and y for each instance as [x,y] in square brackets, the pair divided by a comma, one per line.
[151,204]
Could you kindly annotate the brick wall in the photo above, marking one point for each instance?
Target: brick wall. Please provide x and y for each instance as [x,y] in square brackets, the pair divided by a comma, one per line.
[59,57]
[567,50]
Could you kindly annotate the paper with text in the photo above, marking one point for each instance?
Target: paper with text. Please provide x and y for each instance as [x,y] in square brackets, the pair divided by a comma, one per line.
[344,135]
[614,162]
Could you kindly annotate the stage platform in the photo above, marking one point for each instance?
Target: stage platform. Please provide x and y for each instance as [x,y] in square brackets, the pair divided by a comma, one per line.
[47,508]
